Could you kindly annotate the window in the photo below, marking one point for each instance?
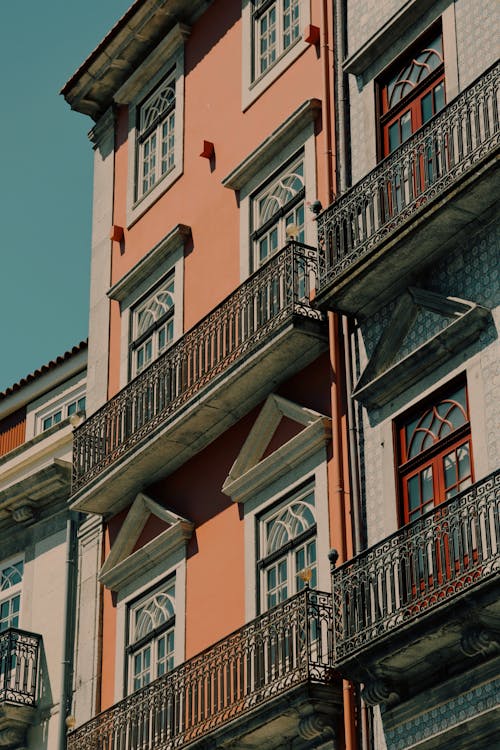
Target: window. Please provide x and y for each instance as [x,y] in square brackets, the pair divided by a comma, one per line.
[276,26]
[76,406]
[435,453]
[278,212]
[153,325]
[11,577]
[156,136]
[412,92]
[71,403]
[151,636]
[288,548]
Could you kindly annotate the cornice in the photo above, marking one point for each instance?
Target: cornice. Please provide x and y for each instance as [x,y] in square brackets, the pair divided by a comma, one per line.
[145,267]
[273,144]
[279,463]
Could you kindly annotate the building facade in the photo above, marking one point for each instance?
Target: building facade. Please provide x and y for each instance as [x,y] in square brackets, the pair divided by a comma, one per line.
[38,552]
[409,255]
[268,380]
[214,396]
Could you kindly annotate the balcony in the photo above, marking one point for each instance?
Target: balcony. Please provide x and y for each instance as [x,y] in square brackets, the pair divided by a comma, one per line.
[264,684]
[424,601]
[415,206]
[256,338]
[19,657]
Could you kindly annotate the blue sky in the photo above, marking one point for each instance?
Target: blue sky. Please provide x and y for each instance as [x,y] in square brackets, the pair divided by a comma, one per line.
[46,180]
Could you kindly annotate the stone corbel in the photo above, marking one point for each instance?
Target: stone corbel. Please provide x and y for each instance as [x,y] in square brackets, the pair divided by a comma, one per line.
[478,640]
[378,690]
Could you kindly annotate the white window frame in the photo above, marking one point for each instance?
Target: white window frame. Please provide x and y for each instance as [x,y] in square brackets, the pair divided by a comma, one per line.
[8,594]
[280,200]
[135,589]
[291,140]
[156,136]
[158,336]
[165,65]
[61,407]
[139,645]
[164,260]
[285,555]
[255,83]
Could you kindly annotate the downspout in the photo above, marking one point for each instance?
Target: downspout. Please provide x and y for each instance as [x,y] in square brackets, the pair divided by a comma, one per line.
[69,627]
[343,359]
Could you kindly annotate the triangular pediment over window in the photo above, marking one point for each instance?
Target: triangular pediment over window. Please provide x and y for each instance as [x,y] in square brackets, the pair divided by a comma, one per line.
[253,468]
[425,330]
[124,561]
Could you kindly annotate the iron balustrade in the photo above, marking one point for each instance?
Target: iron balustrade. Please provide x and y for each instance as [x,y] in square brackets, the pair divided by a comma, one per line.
[287,646]
[438,156]
[242,323]
[423,565]
[19,658]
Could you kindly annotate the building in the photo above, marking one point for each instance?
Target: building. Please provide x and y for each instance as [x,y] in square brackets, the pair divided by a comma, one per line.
[410,256]
[214,386]
[38,552]
[268,380]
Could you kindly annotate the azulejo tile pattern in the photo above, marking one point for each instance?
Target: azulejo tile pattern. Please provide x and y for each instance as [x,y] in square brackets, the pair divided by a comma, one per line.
[444,717]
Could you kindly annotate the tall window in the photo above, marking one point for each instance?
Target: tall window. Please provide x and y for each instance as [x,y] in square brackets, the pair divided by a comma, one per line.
[156,136]
[288,548]
[276,27]
[412,92]
[153,325]
[11,577]
[435,453]
[151,636]
[279,207]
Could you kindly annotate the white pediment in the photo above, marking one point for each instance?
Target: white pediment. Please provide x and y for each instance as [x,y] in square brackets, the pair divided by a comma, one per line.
[251,471]
[123,562]
[397,362]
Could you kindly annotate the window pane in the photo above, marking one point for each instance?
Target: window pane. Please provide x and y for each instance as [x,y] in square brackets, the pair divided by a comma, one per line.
[405,126]
[394,136]
[427,107]
[439,98]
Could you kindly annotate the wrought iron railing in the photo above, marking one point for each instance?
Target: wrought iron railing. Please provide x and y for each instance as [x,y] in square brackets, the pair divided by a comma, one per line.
[283,648]
[420,567]
[241,324]
[19,658]
[434,159]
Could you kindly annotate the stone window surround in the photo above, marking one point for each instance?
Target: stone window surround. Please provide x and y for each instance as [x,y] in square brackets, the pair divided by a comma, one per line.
[172,567]
[167,56]
[165,257]
[252,89]
[293,137]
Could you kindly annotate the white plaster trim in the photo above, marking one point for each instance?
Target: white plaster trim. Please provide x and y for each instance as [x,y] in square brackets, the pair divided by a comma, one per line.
[44,452]
[273,144]
[149,262]
[122,565]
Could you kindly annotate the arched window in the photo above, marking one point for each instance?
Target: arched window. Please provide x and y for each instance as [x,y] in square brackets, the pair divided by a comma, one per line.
[288,545]
[151,636]
[435,452]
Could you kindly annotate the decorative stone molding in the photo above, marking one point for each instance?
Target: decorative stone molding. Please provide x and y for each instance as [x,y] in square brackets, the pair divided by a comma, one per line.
[23,513]
[316,726]
[376,691]
[478,640]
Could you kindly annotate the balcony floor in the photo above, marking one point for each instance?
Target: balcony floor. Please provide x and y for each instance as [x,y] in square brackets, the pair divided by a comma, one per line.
[405,253]
[220,404]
